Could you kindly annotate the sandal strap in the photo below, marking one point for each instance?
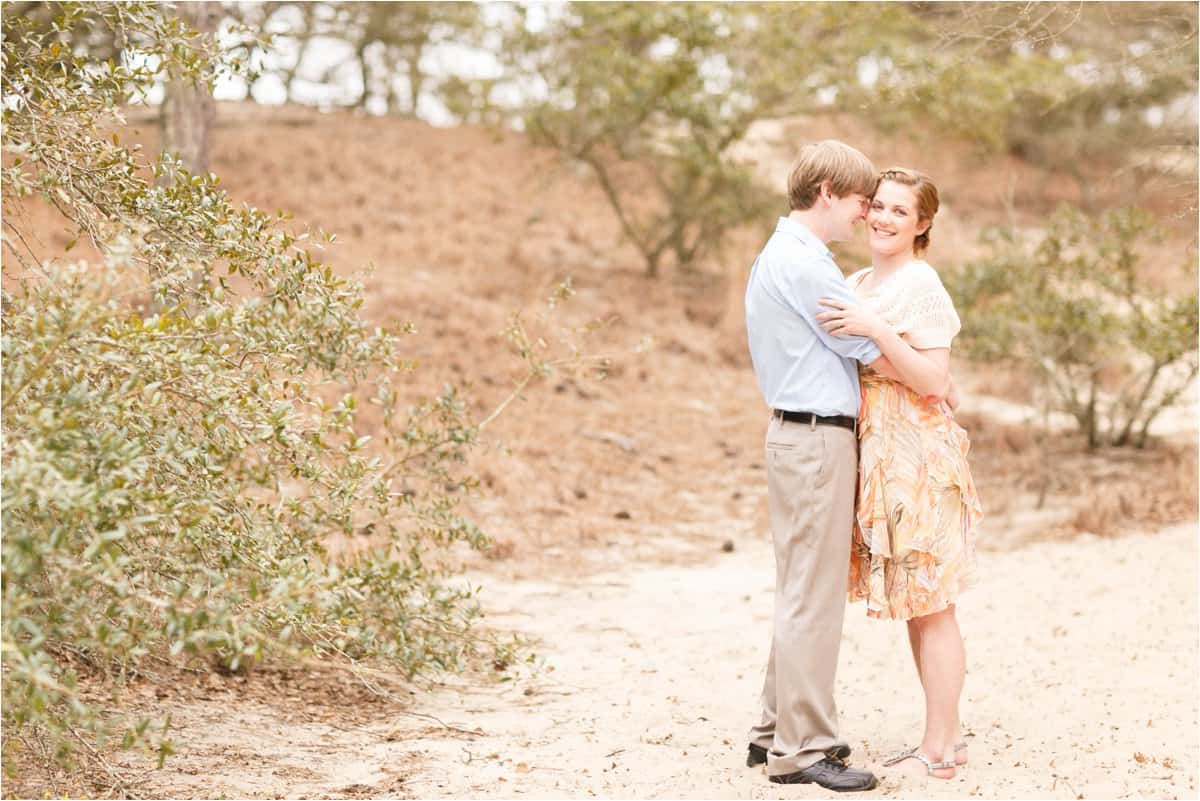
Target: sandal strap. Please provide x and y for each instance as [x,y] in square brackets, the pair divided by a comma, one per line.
[903,755]
[915,753]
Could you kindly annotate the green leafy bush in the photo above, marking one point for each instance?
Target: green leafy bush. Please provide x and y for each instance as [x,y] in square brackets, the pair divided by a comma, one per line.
[181,456]
[1069,305]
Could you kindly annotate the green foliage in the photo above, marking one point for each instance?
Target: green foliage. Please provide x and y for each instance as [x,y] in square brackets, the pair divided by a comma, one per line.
[642,95]
[652,96]
[1107,348]
[401,34]
[391,43]
[1064,86]
[187,465]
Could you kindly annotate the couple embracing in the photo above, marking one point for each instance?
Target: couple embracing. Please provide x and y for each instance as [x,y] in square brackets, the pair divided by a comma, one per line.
[869,491]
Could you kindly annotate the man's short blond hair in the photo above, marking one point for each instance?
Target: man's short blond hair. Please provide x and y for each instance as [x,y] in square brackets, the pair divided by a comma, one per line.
[847,171]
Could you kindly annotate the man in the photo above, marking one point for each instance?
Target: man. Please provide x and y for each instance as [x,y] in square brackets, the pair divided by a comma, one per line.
[810,381]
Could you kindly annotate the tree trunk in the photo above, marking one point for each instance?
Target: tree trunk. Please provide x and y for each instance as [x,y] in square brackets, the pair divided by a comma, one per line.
[188,108]
[365,74]
[289,75]
[187,115]
[415,80]
[1092,423]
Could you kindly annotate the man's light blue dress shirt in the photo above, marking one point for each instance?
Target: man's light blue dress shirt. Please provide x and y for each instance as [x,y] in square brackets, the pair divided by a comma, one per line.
[801,368]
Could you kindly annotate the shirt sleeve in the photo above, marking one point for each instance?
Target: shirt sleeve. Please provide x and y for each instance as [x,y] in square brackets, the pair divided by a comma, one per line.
[930,320]
[821,278]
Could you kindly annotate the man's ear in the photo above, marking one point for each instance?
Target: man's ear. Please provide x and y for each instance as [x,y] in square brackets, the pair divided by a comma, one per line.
[826,192]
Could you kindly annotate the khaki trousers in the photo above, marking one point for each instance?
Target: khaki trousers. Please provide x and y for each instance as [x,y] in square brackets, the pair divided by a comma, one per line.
[811,477]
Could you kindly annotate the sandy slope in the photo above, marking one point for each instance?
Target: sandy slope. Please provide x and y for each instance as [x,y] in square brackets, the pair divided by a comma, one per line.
[1082,683]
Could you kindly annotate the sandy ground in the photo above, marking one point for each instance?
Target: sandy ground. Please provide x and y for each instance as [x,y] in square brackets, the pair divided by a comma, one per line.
[1082,684]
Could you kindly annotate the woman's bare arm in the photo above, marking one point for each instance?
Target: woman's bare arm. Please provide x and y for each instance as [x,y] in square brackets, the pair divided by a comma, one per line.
[926,372]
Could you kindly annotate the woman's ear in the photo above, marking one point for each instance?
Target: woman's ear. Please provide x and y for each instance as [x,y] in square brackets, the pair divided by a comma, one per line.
[923,226]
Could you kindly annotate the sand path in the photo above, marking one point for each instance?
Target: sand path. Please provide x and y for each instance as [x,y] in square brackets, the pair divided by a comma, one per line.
[1082,684]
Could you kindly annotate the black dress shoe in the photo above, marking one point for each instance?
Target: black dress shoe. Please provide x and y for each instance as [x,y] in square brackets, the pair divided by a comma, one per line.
[757,755]
[832,774]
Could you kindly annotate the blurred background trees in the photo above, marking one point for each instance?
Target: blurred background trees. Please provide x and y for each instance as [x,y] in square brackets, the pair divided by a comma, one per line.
[650,94]
[1105,92]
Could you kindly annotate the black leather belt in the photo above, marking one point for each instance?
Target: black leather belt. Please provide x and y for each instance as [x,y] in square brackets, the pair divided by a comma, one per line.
[841,420]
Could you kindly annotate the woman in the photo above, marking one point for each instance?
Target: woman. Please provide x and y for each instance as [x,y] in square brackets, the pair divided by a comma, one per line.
[913,547]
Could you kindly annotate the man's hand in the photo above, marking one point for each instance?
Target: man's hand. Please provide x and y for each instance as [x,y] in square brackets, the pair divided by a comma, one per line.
[847,320]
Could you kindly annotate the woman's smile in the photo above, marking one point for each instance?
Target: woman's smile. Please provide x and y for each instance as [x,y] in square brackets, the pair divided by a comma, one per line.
[893,220]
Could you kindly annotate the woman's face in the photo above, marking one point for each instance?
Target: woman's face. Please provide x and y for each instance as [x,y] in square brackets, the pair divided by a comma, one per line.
[892,222]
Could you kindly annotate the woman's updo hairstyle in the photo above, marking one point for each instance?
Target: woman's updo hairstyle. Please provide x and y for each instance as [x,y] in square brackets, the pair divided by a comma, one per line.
[927,198]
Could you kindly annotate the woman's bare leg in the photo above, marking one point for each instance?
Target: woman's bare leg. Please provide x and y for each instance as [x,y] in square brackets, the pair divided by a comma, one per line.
[941,659]
[914,642]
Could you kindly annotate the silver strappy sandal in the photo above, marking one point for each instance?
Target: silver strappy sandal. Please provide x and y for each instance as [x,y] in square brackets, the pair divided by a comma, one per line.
[930,765]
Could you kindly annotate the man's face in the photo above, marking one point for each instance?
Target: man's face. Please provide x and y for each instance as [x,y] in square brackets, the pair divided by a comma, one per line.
[846,212]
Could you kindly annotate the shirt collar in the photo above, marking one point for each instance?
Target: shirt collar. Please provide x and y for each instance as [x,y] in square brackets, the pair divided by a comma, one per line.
[801,232]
